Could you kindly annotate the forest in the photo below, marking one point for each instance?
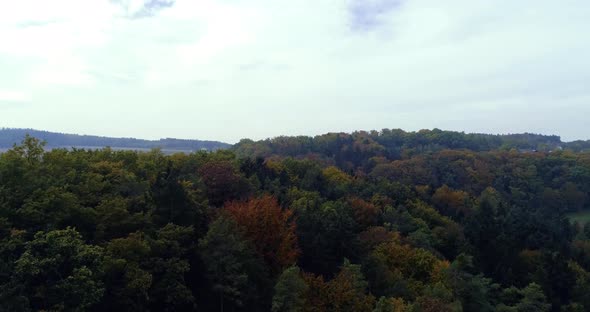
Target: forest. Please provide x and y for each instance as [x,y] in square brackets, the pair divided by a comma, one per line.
[368,221]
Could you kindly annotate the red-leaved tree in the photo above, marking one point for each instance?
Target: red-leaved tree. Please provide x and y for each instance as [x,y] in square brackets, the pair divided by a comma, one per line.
[269,227]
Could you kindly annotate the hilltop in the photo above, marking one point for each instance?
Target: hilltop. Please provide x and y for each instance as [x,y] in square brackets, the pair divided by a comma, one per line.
[9,137]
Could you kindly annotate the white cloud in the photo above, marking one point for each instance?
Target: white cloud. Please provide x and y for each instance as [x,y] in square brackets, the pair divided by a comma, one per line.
[227,69]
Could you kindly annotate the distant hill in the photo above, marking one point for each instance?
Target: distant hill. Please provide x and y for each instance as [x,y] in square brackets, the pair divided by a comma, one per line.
[359,146]
[9,136]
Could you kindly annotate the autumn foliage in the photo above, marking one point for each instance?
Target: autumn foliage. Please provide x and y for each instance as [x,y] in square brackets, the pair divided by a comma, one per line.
[347,291]
[269,227]
[371,221]
[365,213]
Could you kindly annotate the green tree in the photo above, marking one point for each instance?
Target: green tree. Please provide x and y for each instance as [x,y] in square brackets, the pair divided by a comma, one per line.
[169,263]
[115,220]
[20,175]
[31,149]
[289,291]
[232,266]
[533,300]
[58,271]
[12,244]
[528,299]
[127,277]
[326,236]
[474,290]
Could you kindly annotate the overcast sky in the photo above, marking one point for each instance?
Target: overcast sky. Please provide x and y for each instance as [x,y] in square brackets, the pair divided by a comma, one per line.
[229,69]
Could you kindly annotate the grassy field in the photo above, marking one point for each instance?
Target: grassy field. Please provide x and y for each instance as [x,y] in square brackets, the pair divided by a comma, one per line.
[582,217]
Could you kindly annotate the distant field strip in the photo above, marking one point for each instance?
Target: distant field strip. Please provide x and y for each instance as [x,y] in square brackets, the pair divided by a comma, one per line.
[137,149]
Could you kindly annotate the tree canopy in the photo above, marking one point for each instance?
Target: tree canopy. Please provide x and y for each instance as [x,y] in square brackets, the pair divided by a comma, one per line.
[369,221]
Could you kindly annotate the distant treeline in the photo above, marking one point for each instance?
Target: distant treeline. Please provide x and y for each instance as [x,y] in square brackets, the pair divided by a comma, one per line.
[398,144]
[8,137]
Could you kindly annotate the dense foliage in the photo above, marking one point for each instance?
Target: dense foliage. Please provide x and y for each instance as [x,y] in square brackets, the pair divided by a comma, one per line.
[361,222]
[395,143]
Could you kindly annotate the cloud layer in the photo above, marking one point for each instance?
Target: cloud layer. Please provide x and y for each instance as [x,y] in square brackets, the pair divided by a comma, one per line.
[224,69]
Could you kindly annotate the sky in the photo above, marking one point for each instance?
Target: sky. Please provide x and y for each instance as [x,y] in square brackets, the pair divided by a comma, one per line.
[231,69]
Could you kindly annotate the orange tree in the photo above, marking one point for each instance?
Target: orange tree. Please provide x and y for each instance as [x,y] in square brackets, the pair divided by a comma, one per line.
[269,227]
